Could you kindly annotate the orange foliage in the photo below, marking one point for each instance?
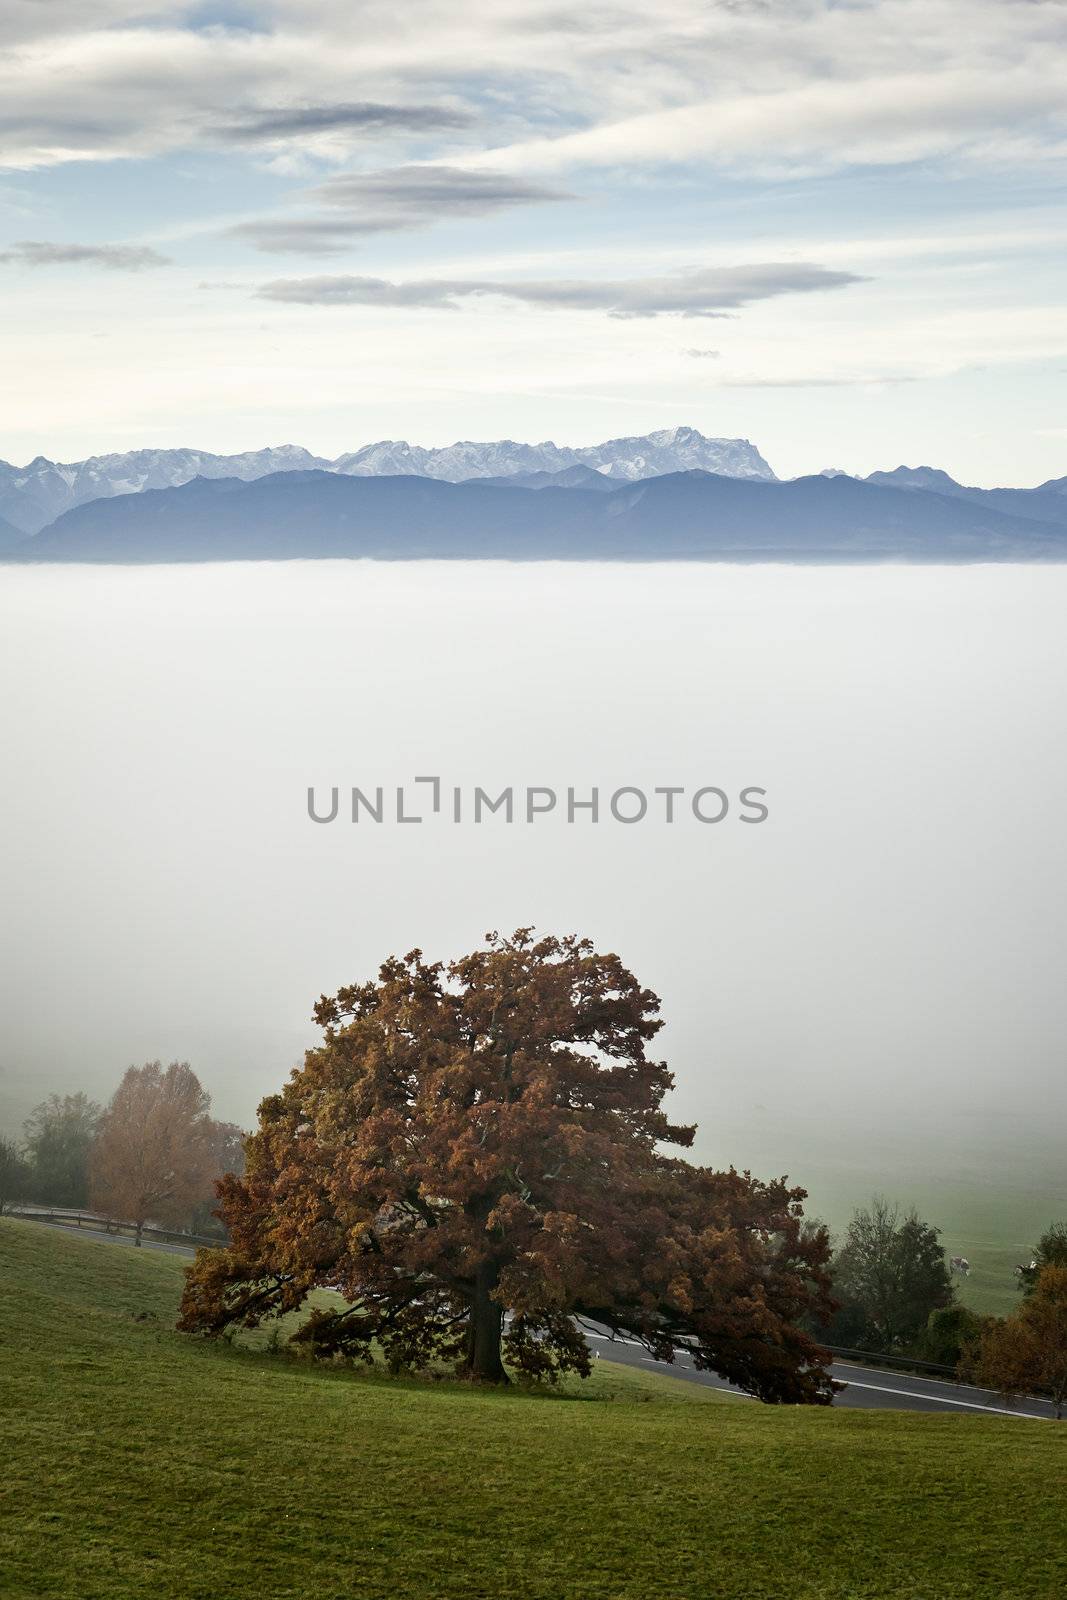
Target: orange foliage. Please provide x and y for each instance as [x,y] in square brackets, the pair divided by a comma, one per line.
[473,1157]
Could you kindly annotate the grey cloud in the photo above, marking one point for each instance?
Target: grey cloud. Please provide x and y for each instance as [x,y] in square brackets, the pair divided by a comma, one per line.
[393,200]
[702,355]
[712,292]
[289,122]
[349,291]
[315,235]
[435,188]
[118,257]
[793,85]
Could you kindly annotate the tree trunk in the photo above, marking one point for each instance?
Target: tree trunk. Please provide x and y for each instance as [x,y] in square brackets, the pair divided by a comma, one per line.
[483,1363]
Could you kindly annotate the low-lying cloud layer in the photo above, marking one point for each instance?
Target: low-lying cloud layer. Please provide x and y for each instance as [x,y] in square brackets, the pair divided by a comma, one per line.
[712,292]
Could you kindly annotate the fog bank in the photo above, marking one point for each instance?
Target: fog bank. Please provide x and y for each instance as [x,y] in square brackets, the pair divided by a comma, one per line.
[875,968]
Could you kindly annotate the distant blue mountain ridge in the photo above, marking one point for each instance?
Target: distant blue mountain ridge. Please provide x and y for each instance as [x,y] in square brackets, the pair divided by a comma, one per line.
[34,496]
[574,514]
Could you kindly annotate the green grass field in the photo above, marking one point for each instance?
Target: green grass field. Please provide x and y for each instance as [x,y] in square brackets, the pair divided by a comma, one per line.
[991,1184]
[995,1226]
[138,1463]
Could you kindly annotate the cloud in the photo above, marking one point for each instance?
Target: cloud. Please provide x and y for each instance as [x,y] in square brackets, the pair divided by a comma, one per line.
[844,381]
[702,355]
[268,125]
[826,125]
[711,292]
[434,187]
[315,235]
[797,85]
[118,257]
[392,200]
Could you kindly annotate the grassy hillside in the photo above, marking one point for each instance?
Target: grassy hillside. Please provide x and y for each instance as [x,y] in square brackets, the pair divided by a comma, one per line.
[138,1463]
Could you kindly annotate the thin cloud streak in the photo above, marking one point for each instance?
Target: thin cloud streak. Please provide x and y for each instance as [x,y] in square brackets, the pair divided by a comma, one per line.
[394,200]
[713,292]
[436,186]
[270,124]
[317,235]
[116,257]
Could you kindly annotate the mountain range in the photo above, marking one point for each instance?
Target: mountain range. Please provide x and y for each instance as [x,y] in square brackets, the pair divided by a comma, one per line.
[1046,503]
[670,494]
[675,516]
[33,496]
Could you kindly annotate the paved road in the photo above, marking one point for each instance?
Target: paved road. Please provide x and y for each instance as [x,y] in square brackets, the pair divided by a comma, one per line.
[867,1387]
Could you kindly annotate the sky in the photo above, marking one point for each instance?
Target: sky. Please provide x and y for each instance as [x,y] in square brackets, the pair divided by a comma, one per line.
[835,227]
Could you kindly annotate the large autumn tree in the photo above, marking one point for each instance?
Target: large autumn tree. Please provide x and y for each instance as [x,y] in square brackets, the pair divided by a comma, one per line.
[473,1158]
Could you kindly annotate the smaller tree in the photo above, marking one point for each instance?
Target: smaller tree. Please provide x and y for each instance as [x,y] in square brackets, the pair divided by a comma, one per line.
[1026,1353]
[58,1135]
[890,1274]
[151,1160]
[947,1334]
[1049,1251]
[226,1157]
[15,1174]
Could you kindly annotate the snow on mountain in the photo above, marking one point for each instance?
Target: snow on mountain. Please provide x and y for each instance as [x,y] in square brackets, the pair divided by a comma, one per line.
[34,495]
[645,456]
[676,450]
